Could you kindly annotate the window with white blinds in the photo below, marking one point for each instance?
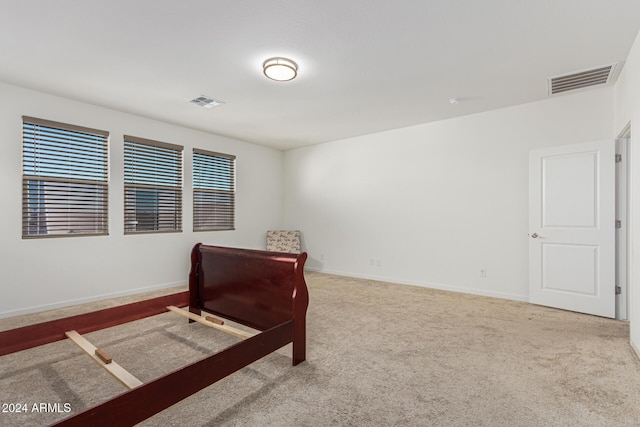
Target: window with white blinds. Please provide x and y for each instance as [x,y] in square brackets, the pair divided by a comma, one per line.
[152,186]
[214,182]
[64,180]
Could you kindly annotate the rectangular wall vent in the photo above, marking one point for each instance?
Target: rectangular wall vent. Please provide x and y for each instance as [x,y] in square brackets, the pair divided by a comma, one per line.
[206,102]
[581,79]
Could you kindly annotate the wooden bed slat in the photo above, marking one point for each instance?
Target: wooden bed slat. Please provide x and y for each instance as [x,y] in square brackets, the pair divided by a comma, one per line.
[113,368]
[228,329]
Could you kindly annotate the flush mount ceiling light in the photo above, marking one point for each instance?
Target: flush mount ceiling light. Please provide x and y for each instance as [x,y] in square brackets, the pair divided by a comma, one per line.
[280,69]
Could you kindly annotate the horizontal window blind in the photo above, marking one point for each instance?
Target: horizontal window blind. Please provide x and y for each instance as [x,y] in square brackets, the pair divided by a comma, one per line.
[152,185]
[64,181]
[213,191]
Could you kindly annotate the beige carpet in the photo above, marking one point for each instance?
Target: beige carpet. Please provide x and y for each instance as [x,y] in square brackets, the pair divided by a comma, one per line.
[379,354]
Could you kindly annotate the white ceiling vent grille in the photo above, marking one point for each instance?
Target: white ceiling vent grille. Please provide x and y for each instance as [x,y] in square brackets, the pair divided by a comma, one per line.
[581,79]
[206,102]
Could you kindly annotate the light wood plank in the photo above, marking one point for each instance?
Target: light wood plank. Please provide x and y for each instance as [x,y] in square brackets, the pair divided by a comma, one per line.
[228,329]
[113,368]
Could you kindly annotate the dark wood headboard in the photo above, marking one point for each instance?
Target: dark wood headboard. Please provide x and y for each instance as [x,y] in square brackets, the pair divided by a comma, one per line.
[259,289]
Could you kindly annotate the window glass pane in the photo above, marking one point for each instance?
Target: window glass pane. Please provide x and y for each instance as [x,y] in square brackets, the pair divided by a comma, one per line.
[64,180]
[153,187]
[213,191]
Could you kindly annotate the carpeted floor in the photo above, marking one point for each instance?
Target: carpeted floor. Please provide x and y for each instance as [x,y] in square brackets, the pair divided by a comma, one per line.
[378,354]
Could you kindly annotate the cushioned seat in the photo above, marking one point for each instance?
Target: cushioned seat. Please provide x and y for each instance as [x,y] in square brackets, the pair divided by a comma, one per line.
[283,241]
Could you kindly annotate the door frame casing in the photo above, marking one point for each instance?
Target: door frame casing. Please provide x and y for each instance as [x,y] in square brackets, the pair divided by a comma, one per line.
[622,214]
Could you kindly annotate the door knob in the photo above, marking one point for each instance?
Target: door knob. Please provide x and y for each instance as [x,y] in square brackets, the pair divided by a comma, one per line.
[534,235]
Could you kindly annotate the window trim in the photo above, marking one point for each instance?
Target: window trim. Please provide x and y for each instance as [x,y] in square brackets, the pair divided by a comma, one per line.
[64,126]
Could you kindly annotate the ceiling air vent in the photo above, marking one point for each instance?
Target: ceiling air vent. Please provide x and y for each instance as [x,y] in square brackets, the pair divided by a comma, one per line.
[206,102]
[581,79]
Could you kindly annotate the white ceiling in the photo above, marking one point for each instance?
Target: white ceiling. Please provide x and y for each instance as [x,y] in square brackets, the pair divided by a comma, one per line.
[364,65]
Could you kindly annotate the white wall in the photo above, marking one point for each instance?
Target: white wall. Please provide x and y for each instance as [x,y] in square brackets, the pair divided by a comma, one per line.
[37,274]
[627,109]
[435,203]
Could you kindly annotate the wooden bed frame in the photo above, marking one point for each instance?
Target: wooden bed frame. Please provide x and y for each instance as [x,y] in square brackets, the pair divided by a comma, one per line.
[263,290]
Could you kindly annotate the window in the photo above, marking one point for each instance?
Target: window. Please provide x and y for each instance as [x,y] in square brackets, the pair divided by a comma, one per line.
[64,180]
[152,186]
[213,191]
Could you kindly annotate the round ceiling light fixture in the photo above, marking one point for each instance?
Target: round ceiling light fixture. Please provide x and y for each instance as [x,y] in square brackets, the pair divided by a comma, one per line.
[280,69]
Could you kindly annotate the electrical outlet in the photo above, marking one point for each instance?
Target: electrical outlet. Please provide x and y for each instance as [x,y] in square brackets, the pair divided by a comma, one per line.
[483,273]
[378,262]
[321,257]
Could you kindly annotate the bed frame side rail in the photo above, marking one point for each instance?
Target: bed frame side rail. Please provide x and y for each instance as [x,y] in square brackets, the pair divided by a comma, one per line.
[30,336]
[157,395]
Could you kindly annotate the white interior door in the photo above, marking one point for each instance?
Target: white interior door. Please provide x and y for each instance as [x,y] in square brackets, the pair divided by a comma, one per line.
[572,227]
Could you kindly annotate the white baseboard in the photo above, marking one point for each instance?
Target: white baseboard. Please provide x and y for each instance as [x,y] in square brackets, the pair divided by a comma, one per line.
[472,291]
[68,303]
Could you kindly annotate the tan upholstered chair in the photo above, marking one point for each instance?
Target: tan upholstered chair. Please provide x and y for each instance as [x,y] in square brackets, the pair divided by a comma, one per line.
[283,241]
